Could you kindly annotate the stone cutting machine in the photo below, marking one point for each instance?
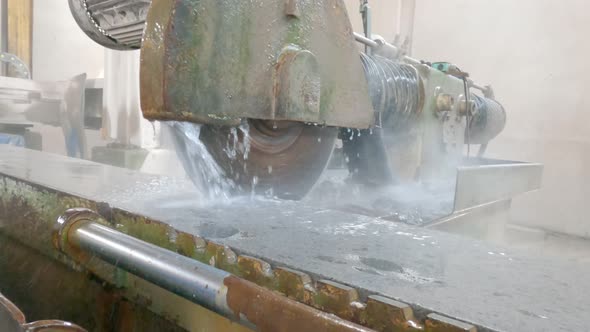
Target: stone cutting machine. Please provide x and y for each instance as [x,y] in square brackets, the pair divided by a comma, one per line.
[277,84]
[272,88]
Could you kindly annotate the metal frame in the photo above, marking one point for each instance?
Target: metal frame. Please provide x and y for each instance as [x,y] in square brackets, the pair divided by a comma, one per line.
[484,191]
[495,181]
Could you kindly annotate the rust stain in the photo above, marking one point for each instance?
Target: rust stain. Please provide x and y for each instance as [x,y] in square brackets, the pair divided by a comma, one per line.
[336,298]
[67,220]
[271,312]
[292,8]
[156,115]
[12,309]
[387,315]
[221,256]
[255,270]
[294,284]
[67,224]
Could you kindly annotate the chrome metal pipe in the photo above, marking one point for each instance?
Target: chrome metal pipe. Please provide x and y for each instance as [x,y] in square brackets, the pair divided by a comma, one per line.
[392,49]
[188,278]
[364,40]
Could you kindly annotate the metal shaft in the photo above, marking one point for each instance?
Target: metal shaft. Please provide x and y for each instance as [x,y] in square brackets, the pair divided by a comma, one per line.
[215,289]
[364,40]
[181,275]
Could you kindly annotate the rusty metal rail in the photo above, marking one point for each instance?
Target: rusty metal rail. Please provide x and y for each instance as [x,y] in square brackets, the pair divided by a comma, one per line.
[217,290]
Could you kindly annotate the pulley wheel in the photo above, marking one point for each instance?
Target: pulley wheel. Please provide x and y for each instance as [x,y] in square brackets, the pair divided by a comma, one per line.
[280,158]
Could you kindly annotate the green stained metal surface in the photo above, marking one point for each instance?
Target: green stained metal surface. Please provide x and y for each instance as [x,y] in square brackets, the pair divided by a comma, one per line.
[214,62]
[186,245]
[294,32]
[257,271]
[29,213]
[144,229]
[437,160]
[46,284]
[42,207]
[244,50]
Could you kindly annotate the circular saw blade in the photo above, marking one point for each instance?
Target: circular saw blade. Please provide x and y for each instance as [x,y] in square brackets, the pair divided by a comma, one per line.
[378,157]
[366,156]
[283,159]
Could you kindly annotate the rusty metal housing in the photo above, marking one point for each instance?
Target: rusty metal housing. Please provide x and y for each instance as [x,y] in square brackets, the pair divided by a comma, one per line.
[216,62]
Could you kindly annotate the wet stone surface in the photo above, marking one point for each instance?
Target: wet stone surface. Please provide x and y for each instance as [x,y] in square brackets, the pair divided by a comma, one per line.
[498,288]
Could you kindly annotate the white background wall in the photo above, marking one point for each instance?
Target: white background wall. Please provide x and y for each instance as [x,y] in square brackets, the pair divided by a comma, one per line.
[536,55]
[60,49]
[385,21]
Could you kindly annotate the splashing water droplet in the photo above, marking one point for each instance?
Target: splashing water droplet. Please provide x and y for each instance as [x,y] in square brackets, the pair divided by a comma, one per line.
[254,184]
[245,129]
[199,164]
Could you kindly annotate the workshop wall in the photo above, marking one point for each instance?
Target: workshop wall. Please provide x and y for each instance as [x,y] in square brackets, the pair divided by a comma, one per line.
[60,49]
[535,54]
